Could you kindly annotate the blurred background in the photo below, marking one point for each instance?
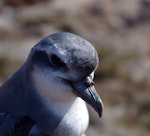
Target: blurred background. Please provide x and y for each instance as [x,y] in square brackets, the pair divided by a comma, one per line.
[119,30]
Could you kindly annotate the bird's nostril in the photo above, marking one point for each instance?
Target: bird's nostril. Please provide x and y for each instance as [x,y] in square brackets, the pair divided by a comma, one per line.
[88,82]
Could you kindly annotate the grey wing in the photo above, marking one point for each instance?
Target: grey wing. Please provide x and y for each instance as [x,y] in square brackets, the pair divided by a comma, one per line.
[23,127]
[13,126]
[7,123]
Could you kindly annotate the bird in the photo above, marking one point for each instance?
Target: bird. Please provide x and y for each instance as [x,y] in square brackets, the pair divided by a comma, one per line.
[51,89]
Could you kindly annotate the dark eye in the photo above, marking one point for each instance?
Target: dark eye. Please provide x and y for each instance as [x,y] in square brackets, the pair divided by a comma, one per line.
[56,61]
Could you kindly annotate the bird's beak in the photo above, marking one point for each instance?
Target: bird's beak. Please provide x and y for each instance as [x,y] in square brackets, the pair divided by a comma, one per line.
[86,90]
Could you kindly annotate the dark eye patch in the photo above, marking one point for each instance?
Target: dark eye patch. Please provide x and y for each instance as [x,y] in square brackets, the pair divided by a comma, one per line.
[42,59]
[56,61]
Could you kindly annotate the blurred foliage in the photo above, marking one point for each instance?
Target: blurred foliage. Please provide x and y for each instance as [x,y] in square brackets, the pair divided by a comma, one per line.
[7,67]
[107,67]
[4,64]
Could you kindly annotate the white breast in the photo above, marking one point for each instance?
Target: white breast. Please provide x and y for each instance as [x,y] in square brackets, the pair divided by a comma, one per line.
[75,120]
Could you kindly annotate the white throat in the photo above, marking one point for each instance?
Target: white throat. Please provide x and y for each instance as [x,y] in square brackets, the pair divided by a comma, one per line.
[50,87]
[60,99]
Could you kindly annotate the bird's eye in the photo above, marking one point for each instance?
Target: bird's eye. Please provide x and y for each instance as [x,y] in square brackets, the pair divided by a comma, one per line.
[56,61]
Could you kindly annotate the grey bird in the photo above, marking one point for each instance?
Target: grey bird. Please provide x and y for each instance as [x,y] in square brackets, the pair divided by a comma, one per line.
[51,87]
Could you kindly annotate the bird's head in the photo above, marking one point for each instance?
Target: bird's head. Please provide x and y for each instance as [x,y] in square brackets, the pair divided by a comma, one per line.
[63,66]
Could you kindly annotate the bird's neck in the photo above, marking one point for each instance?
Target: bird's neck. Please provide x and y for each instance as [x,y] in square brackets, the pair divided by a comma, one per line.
[60,107]
[16,79]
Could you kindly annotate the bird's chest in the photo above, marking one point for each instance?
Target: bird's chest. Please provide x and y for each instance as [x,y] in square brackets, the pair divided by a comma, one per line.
[75,121]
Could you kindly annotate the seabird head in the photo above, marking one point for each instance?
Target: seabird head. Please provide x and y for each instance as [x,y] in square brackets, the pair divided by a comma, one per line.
[63,66]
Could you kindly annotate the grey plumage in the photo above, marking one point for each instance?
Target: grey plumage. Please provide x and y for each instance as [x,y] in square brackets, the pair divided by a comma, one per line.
[46,88]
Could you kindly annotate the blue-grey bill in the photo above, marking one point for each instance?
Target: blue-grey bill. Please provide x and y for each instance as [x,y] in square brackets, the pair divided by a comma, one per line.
[89,94]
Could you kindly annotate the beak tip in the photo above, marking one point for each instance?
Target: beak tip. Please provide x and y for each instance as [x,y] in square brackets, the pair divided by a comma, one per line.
[100,108]
[89,95]
[100,114]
